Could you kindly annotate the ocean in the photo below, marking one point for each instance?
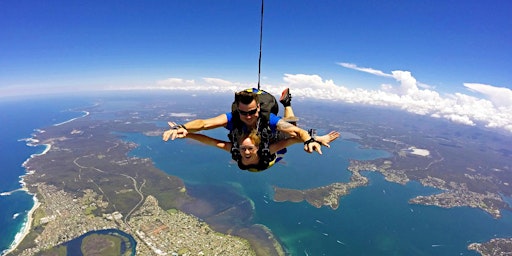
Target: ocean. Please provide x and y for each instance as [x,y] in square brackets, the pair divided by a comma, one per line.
[19,119]
[371,220]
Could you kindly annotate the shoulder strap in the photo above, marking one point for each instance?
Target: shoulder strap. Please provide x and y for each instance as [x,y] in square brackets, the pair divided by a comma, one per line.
[264,149]
[235,149]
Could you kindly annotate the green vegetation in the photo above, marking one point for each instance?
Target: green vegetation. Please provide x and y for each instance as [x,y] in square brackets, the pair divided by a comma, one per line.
[37,216]
[89,210]
[172,211]
[54,251]
[96,244]
[29,240]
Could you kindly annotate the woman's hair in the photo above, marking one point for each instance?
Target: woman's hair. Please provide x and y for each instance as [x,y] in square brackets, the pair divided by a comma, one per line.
[253,136]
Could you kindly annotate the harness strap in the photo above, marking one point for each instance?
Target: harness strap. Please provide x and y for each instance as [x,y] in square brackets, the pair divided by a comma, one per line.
[265,155]
[235,150]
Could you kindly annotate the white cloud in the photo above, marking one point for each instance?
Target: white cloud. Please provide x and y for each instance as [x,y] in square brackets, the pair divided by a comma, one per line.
[218,82]
[183,114]
[367,70]
[408,83]
[499,96]
[494,110]
[302,81]
[174,81]
[207,83]
[459,119]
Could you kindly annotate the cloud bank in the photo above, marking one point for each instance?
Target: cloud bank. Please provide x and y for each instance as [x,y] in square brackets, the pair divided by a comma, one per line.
[493,109]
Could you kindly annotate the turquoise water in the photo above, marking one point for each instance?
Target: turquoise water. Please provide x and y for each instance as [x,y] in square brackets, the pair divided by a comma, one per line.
[372,220]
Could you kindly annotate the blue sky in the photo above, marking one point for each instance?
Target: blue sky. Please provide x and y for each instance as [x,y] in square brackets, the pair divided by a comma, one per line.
[436,51]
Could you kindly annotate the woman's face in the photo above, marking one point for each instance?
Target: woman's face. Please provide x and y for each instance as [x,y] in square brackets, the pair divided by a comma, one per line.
[249,152]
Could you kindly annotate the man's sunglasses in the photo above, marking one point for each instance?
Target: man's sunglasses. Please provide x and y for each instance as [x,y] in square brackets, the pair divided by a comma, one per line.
[248,113]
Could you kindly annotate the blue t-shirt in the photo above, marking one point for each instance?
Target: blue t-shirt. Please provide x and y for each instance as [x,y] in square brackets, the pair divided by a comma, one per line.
[273,119]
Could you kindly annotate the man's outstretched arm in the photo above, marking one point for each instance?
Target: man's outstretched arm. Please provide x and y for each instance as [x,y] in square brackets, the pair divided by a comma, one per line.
[310,144]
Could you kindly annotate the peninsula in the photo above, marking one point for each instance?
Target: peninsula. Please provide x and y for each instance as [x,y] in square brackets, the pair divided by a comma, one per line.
[433,159]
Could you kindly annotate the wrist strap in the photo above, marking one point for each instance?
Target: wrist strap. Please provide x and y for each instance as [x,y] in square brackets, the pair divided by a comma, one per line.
[176,127]
[309,141]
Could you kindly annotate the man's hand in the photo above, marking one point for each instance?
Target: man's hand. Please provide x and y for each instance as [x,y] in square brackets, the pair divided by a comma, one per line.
[313,146]
[174,132]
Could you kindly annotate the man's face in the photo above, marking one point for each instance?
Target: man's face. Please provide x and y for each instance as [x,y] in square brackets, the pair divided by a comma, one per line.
[249,113]
[249,152]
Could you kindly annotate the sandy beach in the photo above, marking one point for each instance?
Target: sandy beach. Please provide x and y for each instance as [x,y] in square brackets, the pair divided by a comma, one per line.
[86,113]
[25,228]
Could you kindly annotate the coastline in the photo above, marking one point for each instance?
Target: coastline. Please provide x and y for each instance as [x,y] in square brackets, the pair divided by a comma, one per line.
[25,227]
[86,113]
[27,224]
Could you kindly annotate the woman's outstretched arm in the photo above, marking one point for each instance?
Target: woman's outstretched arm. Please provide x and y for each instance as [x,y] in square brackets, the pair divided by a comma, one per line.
[225,145]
